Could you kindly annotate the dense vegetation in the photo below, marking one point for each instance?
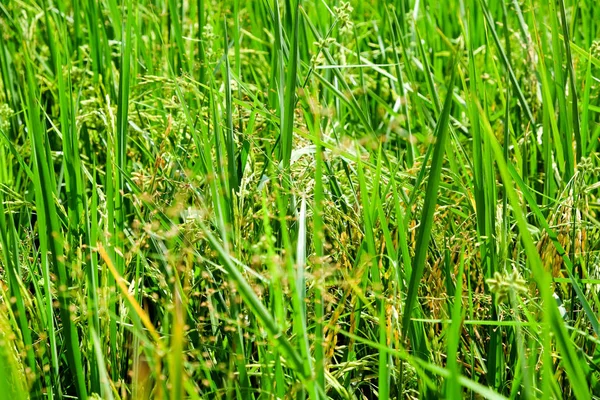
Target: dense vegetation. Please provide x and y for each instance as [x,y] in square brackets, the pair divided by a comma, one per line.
[299,199]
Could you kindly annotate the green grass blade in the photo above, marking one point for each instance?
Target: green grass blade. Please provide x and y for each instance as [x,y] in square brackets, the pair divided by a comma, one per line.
[426,220]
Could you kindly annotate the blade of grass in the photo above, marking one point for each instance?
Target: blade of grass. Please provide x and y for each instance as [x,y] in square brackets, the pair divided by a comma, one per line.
[424,234]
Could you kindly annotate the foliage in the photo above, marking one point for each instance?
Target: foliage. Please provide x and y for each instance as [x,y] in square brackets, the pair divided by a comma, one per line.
[299,199]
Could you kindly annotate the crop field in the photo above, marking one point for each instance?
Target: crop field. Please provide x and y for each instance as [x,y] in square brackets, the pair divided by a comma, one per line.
[299,199]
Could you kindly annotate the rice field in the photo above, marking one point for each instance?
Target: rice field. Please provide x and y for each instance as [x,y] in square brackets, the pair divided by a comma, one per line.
[299,199]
